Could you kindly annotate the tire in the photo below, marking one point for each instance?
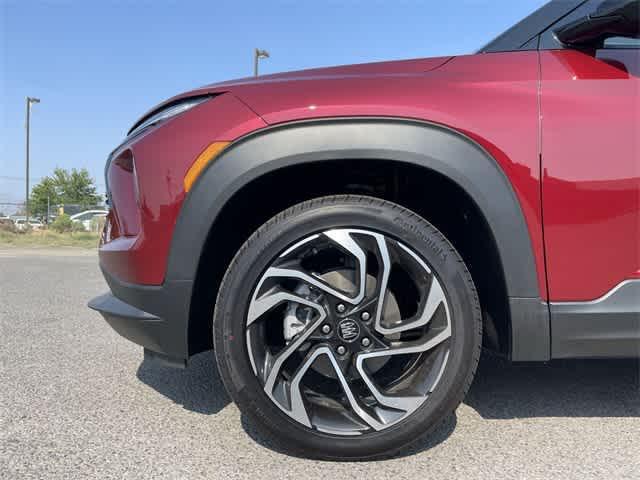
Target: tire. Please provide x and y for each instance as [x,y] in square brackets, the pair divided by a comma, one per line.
[305,407]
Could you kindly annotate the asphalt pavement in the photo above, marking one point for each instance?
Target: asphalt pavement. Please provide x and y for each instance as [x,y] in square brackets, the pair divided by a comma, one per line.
[78,401]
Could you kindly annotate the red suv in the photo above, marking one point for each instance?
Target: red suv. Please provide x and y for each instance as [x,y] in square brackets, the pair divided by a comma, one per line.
[347,239]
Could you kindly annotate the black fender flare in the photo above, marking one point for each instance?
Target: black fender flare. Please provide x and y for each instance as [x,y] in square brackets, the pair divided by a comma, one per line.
[428,145]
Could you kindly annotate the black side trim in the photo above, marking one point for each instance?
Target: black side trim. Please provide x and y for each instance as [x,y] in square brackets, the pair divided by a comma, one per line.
[607,327]
[419,143]
[529,330]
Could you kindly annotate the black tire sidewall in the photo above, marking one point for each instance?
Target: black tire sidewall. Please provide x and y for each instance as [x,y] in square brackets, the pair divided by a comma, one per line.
[306,219]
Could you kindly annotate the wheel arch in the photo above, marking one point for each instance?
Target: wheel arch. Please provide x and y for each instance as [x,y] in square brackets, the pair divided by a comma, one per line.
[427,146]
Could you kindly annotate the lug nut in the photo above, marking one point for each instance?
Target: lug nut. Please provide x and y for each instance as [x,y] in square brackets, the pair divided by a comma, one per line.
[340,308]
[341,350]
[365,316]
[326,328]
[366,342]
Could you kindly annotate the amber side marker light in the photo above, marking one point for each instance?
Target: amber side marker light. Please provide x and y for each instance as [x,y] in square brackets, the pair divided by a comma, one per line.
[208,155]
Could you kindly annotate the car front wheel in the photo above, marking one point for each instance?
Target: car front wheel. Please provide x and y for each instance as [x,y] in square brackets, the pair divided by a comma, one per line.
[347,327]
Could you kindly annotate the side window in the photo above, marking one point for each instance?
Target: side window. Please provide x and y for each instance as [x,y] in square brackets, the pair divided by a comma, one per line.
[548,41]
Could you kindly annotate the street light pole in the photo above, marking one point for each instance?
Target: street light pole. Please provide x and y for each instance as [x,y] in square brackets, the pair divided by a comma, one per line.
[257,55]
[30,101]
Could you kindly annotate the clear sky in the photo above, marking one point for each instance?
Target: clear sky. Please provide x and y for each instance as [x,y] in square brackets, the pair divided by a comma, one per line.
[98,64]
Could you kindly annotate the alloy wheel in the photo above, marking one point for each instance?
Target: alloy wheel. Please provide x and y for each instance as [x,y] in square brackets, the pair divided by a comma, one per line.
[348,331]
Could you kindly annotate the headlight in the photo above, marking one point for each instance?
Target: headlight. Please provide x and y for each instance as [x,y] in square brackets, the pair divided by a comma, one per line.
[168,111]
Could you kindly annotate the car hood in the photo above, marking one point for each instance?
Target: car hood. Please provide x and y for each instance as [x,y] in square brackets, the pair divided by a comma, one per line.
[397,67]
[363,70]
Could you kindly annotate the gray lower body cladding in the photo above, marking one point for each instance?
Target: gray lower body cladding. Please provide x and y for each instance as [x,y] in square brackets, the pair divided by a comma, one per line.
[607,327]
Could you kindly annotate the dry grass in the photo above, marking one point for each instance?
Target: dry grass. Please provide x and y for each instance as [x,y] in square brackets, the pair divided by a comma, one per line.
[48,238]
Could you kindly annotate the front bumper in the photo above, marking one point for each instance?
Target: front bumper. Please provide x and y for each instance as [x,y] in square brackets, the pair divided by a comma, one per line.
[136,325]
[154,317]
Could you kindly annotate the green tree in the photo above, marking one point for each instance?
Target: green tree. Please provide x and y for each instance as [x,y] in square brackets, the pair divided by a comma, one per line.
[40,194]
[64,186]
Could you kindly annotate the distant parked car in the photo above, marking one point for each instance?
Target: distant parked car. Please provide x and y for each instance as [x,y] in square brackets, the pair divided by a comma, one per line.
[85,217]
[21,223]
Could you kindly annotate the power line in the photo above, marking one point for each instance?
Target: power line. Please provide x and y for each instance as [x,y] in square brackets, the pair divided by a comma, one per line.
[22,179]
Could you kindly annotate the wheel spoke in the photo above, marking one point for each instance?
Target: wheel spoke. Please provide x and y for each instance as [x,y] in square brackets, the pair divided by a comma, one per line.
[435,337]
[406,403]
[298,408]
[383,280]
[276,272]
[347,243]
[297,404]
[259,306]
[273,370]
[434,299]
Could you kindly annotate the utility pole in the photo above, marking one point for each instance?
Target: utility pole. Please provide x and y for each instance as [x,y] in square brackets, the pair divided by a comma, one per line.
[257,55]
[30,101]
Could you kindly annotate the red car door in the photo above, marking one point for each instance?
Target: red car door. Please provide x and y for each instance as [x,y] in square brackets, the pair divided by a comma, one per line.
[590,129]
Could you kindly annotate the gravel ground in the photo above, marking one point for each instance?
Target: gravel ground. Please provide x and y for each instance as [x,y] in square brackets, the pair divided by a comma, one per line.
[78,401]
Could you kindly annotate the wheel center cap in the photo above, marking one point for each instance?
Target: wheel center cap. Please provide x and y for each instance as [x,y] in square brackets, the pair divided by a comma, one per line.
[348,330]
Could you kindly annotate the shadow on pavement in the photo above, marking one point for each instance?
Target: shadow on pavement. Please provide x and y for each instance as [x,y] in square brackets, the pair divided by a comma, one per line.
[501,390]
[561,388]
[198,388]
